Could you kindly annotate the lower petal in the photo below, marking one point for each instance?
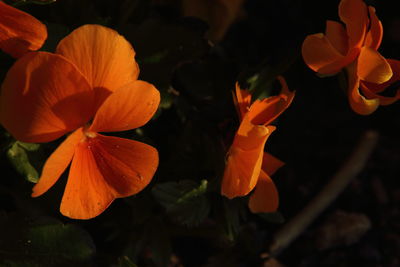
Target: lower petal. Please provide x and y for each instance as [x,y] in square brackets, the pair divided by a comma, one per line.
[265,197]
[105,168]
[372,67]
[57,163]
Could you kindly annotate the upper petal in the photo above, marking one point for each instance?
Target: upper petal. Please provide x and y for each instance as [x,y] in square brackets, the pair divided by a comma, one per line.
[242,100]
[358,102]
[354,14]
[105,168]
[56,164]
[375,33]
[372,67]
[318,53]
[19,31]
[106,58]
[337,36]
[265,197]
[43,97]
[266,111]
[129,107]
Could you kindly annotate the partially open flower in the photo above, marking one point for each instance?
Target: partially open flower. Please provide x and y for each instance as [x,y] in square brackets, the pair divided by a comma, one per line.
[352,46]
[88,86]
[247,166]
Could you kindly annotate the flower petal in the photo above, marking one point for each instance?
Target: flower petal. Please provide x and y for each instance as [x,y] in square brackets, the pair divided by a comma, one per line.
[319,54]
[271,164]
[372,67]
[105,168]
[354,14]
[242,100]
[337,36]
[372,90]
[129,107]
[56,164]
[265,197]
[266,111]
[244,161]
[43,97]
[375,34]
[359,103]
[106,58]
[19,31]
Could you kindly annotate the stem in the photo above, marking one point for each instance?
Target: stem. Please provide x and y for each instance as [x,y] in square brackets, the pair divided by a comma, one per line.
[349,170]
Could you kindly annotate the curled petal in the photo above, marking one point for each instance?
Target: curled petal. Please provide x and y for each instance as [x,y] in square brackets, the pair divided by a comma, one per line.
[372,67]
[19,31]
[267,110]
[56,164]
[106,58]
[43,97]
[265,197]
[244,161]
[242,101]
[105,168]
[375,34]
[129,107]
[358,102]
[271,164]
[354,14]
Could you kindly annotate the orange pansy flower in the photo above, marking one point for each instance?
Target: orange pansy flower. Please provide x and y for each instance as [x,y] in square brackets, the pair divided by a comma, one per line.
[88,86]
[19,31]
[247,166]
[352,46]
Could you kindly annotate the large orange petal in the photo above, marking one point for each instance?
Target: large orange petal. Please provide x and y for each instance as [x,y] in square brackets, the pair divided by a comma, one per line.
[271,164]
[266,111]
[358,102]
[337,36]
[106,58]
[354,14]
[372,67]
[265,197]
[19,31]
[244,161]
[43,97]
[105,168]
[318,53]
[242,100]
[375,33]
[127,108]
[56,164]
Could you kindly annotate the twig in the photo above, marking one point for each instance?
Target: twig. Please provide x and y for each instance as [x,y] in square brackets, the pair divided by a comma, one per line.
[351,168]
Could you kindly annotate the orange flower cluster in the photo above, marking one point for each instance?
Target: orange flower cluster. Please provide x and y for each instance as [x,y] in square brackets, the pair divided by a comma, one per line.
[354,46]
[89,85]
[247,166]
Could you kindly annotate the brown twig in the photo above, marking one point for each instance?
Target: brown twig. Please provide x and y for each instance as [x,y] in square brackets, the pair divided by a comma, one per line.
[351,168]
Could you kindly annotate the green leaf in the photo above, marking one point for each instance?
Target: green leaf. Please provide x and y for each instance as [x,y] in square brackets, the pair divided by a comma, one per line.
[235,211]
[125,262]
[19,159]
[45,242]
[185,201]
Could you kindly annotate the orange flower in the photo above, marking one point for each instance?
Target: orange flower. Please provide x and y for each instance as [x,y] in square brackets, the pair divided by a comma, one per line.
[247,166]
[19,31]
[353,47]
[88,86]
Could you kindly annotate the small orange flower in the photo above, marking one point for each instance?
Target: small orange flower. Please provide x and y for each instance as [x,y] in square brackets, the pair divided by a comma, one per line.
[353,47]
[247,165]
[19,31]
[88,86]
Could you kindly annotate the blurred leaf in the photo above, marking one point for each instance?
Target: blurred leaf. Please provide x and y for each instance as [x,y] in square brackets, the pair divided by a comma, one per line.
[159,242]
[273,217]
[185,201]
[235,211]
[19,159]
[37,2]
[125,262]
[46,243]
